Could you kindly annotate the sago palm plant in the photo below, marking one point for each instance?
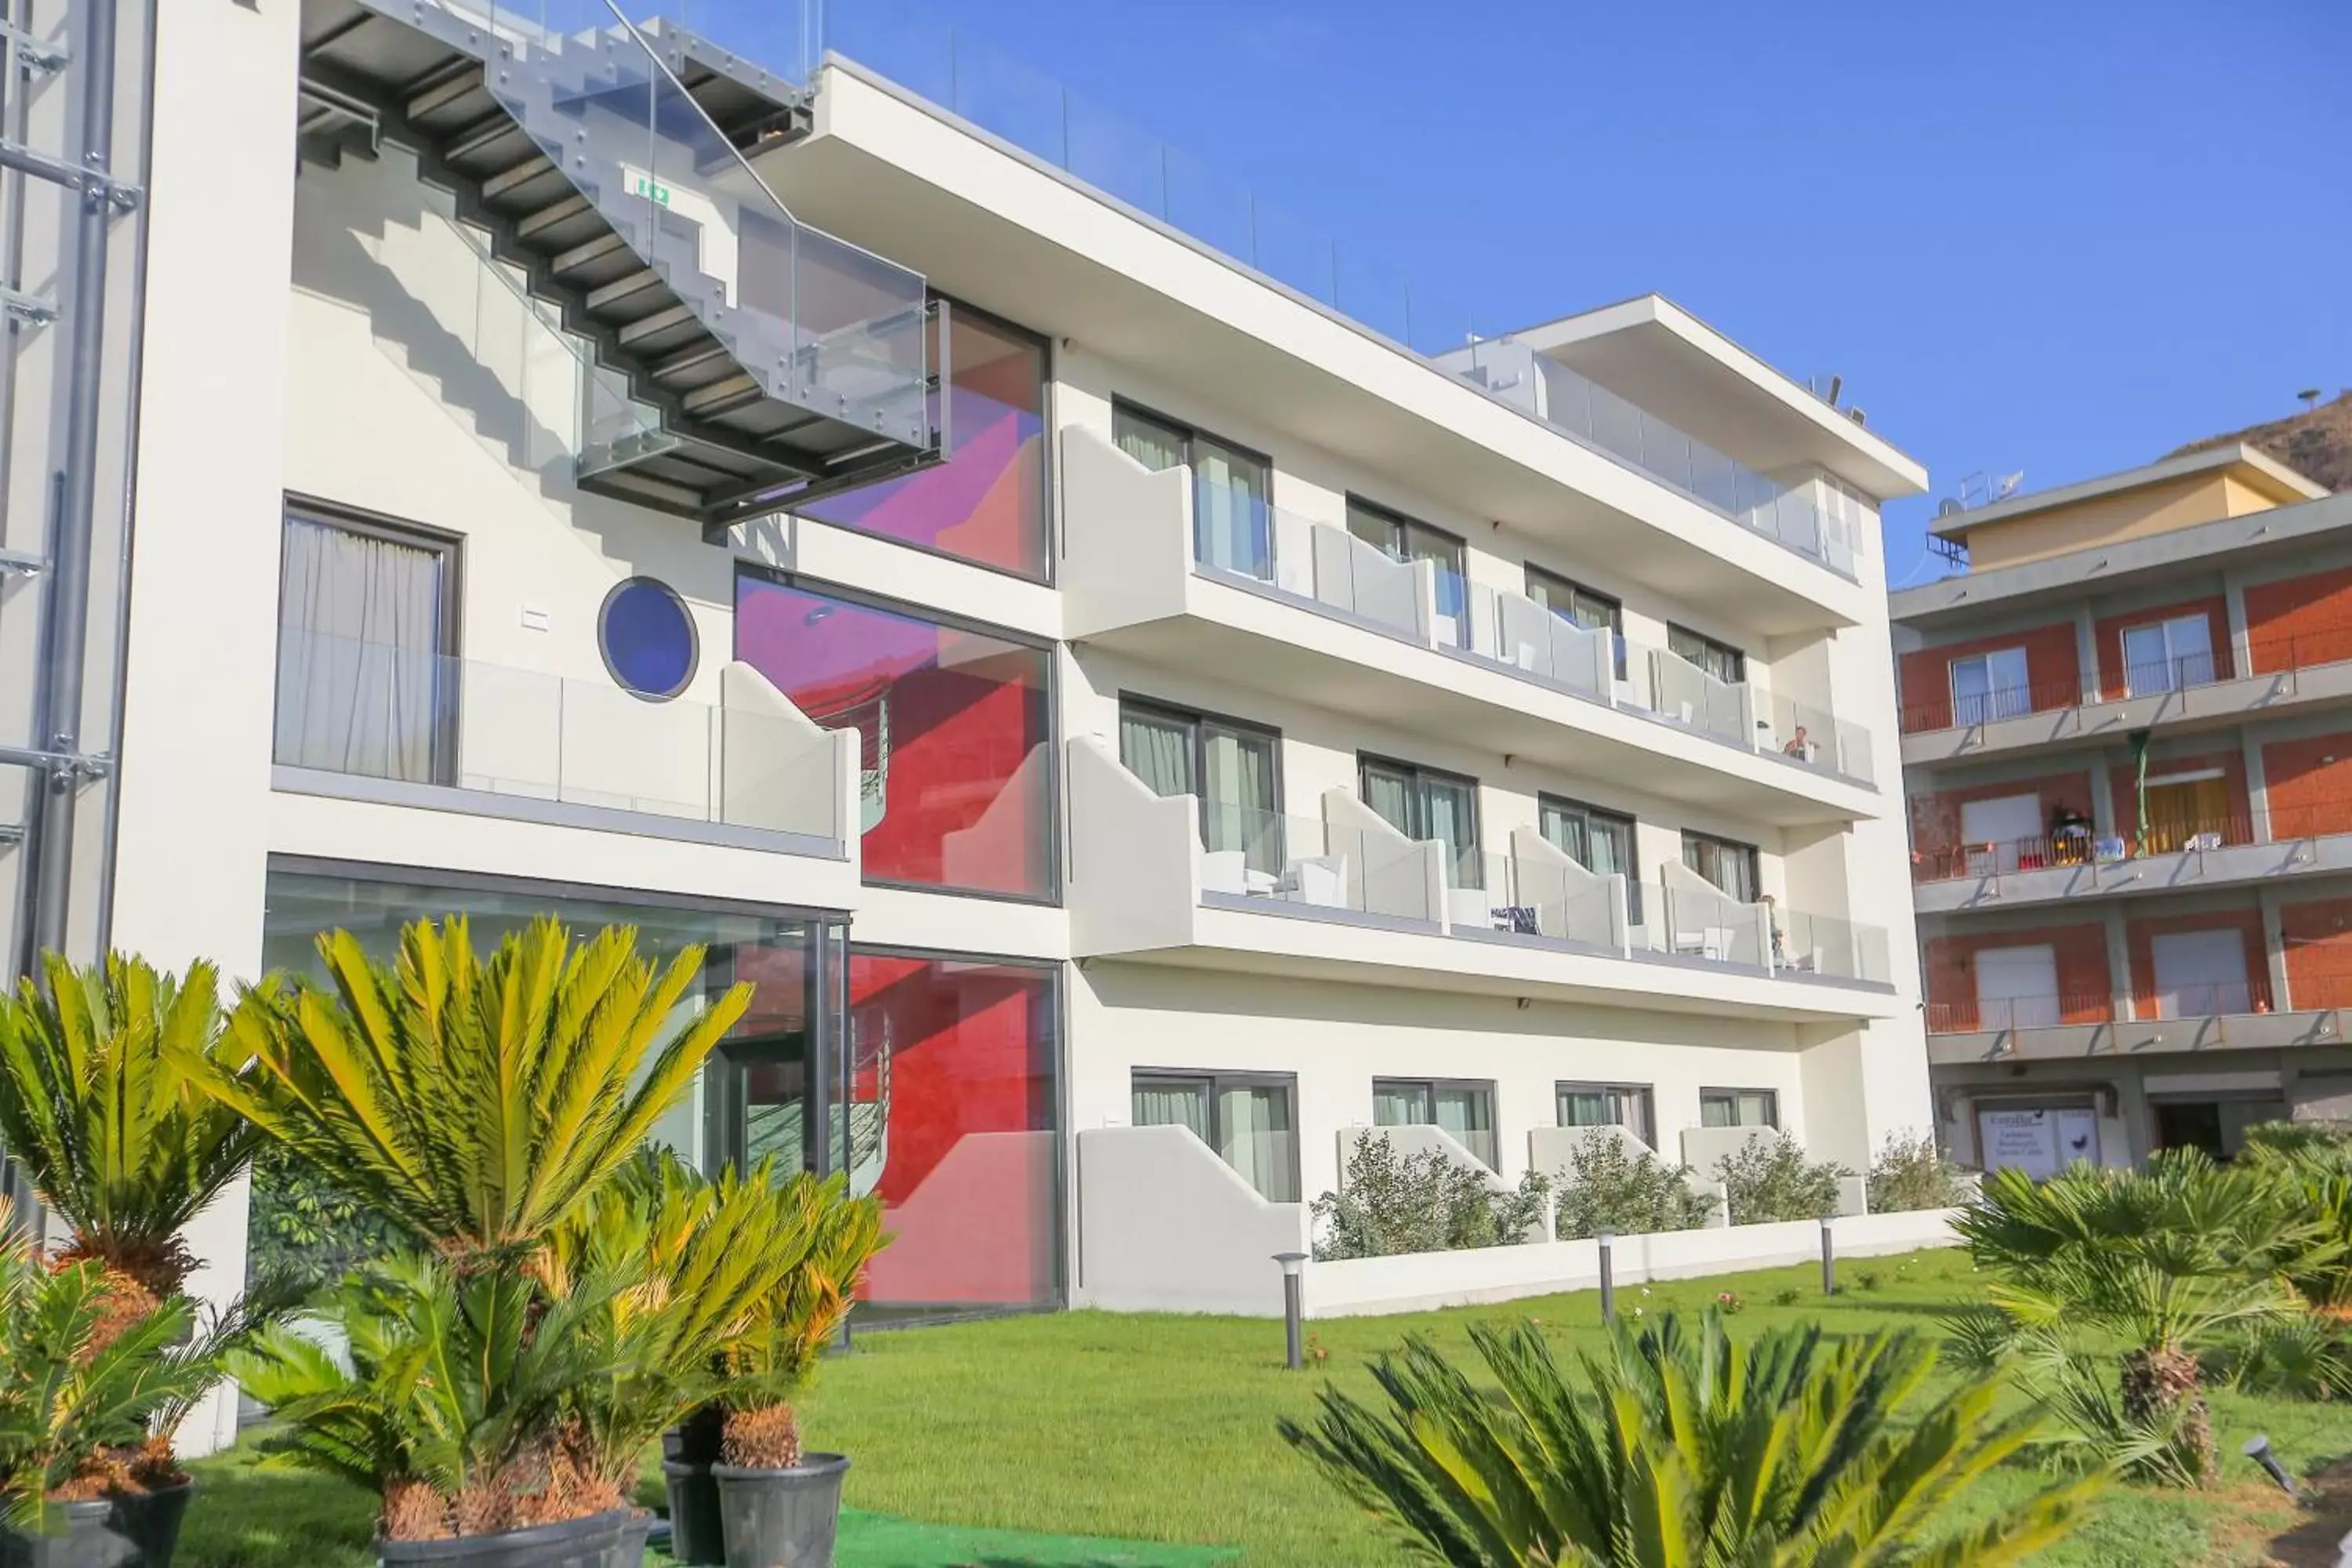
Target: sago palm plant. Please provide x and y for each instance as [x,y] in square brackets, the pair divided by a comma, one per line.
[1685,1450]
[475,1101]
[96,1100]
[2165,1261]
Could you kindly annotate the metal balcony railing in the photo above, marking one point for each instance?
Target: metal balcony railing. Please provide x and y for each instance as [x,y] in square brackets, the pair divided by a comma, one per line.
[2204,999]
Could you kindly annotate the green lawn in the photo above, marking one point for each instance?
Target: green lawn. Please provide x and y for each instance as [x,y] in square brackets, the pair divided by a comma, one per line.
[1161,1429]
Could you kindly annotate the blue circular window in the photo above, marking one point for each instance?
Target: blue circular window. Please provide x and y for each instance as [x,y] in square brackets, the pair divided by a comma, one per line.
[647,639]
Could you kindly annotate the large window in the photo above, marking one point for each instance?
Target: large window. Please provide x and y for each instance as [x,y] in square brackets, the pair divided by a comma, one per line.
[1989,685]
[1245,1116]
[2167,656]
[1232,489]
[1600,841]
[1401,538]
[1424,804]
[1580,606]
[1465,1109]
[1233,768]
[1625,1105]
[1720,660]
[1738,1108]
[954,1065]
[1727,863]
[987,503]
[366,623]
[955,777]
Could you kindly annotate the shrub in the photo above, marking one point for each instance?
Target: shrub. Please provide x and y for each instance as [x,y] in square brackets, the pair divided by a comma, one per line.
[1608,1185]
[1730,1303]
[1912,1174]
[1396,1202]
[1769,1179]
[303,1228]
[1867,1280]
[1788,1296]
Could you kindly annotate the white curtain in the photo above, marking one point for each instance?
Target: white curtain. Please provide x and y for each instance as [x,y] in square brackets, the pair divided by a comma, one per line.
[1239,795]
[1257,1139]
[1173,1104]
[360,672]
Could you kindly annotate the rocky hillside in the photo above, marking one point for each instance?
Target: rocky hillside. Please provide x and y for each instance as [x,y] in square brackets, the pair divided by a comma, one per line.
[2317,443]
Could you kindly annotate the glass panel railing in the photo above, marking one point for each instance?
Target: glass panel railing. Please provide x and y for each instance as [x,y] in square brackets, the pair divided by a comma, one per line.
[369,709]
[1512,630]
[1235,531]
[1819,738]
[1253,854]
[1670,687]
[837,328]
[1691,924]
[1830,946]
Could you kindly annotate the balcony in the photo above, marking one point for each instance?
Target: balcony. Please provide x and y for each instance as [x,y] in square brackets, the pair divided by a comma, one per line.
[2203,691]
[1583,410]
[2229,1016]
[1270,601]
[1345,896]
[2229,852]
[366,722]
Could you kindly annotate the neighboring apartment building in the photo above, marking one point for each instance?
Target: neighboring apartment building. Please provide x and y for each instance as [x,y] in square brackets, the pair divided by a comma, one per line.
[1253,725]
[2128,745]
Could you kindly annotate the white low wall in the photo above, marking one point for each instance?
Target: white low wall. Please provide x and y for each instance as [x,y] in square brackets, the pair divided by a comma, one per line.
[1365,1287]
[1165,1226]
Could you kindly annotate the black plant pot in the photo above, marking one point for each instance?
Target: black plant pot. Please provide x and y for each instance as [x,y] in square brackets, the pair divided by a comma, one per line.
[697,1538]
[139,1531]
[616,1539]
[781,1519]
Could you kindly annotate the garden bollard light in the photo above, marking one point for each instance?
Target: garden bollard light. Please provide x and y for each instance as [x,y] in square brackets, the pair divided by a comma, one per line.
[2258,1449]
[1294,1268]
[1829,1258]
[1608,1280]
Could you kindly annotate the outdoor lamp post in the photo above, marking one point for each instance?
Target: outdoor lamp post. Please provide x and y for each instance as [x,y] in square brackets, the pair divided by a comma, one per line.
[1829,1257]
[1294,1282]
[1608,1280]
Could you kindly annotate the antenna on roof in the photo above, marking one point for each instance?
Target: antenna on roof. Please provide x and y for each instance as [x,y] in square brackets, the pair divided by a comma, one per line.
[2006,486]
[1837,386]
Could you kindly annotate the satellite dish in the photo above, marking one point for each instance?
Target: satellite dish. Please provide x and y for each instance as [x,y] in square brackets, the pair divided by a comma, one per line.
[1949,507]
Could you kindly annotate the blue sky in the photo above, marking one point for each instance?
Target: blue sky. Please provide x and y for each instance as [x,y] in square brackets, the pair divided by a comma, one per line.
[2060,237]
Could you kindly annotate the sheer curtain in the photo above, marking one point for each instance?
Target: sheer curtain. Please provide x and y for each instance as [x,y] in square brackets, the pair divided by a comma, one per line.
[1389,794]
[1235,522]
[1402,1105]
[1158,749]
[1239,796]
[1169,1103]
[1148,441]
[1453,818]
[360,670]
[1257,1139]
[1469,1115]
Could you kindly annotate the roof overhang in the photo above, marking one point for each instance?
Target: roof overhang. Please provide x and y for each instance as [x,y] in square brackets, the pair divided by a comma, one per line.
[2266,474]
[1652,352]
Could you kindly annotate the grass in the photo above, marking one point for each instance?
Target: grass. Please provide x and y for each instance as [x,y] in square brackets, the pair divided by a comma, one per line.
[1161,1429]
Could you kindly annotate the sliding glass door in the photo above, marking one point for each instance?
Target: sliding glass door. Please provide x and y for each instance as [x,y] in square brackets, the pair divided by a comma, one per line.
[1423,804]
[1230,767]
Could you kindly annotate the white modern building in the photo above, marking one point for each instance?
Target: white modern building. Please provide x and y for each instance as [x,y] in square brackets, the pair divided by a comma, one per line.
[1083,681]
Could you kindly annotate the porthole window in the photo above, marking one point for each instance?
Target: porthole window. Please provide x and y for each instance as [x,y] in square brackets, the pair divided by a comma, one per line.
[646,636]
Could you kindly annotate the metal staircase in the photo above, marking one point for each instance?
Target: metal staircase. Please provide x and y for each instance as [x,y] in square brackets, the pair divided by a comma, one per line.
[603,163]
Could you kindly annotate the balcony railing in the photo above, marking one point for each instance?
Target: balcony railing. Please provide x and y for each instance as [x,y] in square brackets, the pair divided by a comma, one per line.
[1237,534]
[2266,657]
[411,721]
[2002,1015]
[1582,408]
[2056,851]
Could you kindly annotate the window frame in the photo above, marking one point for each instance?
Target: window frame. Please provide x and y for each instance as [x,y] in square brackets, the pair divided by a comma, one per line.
[1418,832]
[1995,707]
[449,547]
[1196,717]
[2162,626]
[1215,1081]
[1433,1085]
[1191,436]
[1552,580]
[1548,803]
[1646,1098]
[1406,526]
[1739,656]
[1753,858]
[1055,824]
[1772,1097]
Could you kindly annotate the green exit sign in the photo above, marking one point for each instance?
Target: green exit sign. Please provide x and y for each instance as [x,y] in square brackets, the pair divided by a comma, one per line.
[646,185]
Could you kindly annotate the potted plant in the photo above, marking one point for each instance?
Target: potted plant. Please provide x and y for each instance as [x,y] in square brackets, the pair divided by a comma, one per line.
[480,1104]
[81,1483]
[780,1506]
[96,1102]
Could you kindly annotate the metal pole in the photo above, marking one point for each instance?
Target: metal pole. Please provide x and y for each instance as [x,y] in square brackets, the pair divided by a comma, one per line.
[1829,1260]
[1294,1307]
[1608,1277]
[65,618]
[817,1136]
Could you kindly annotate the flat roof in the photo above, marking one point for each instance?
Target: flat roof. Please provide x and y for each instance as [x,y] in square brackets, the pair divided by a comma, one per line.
[2131,562]
[2282,483]
[1681,368]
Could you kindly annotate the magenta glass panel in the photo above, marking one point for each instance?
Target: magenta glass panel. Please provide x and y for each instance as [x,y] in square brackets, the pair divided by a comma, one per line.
[987,501]
[954,1065]
[953,771]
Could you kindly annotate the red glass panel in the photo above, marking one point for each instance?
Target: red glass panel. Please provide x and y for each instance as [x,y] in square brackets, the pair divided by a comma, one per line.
[954,1068]
[954,772]
[987,503]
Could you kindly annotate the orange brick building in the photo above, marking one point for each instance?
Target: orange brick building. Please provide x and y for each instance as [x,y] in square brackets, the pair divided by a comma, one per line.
[2128,749]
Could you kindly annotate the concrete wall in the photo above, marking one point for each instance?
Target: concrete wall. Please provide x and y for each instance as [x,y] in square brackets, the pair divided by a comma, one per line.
[1169,1227]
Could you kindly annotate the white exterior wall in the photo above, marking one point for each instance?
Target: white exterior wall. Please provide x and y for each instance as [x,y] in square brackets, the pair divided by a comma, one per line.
[373,365]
